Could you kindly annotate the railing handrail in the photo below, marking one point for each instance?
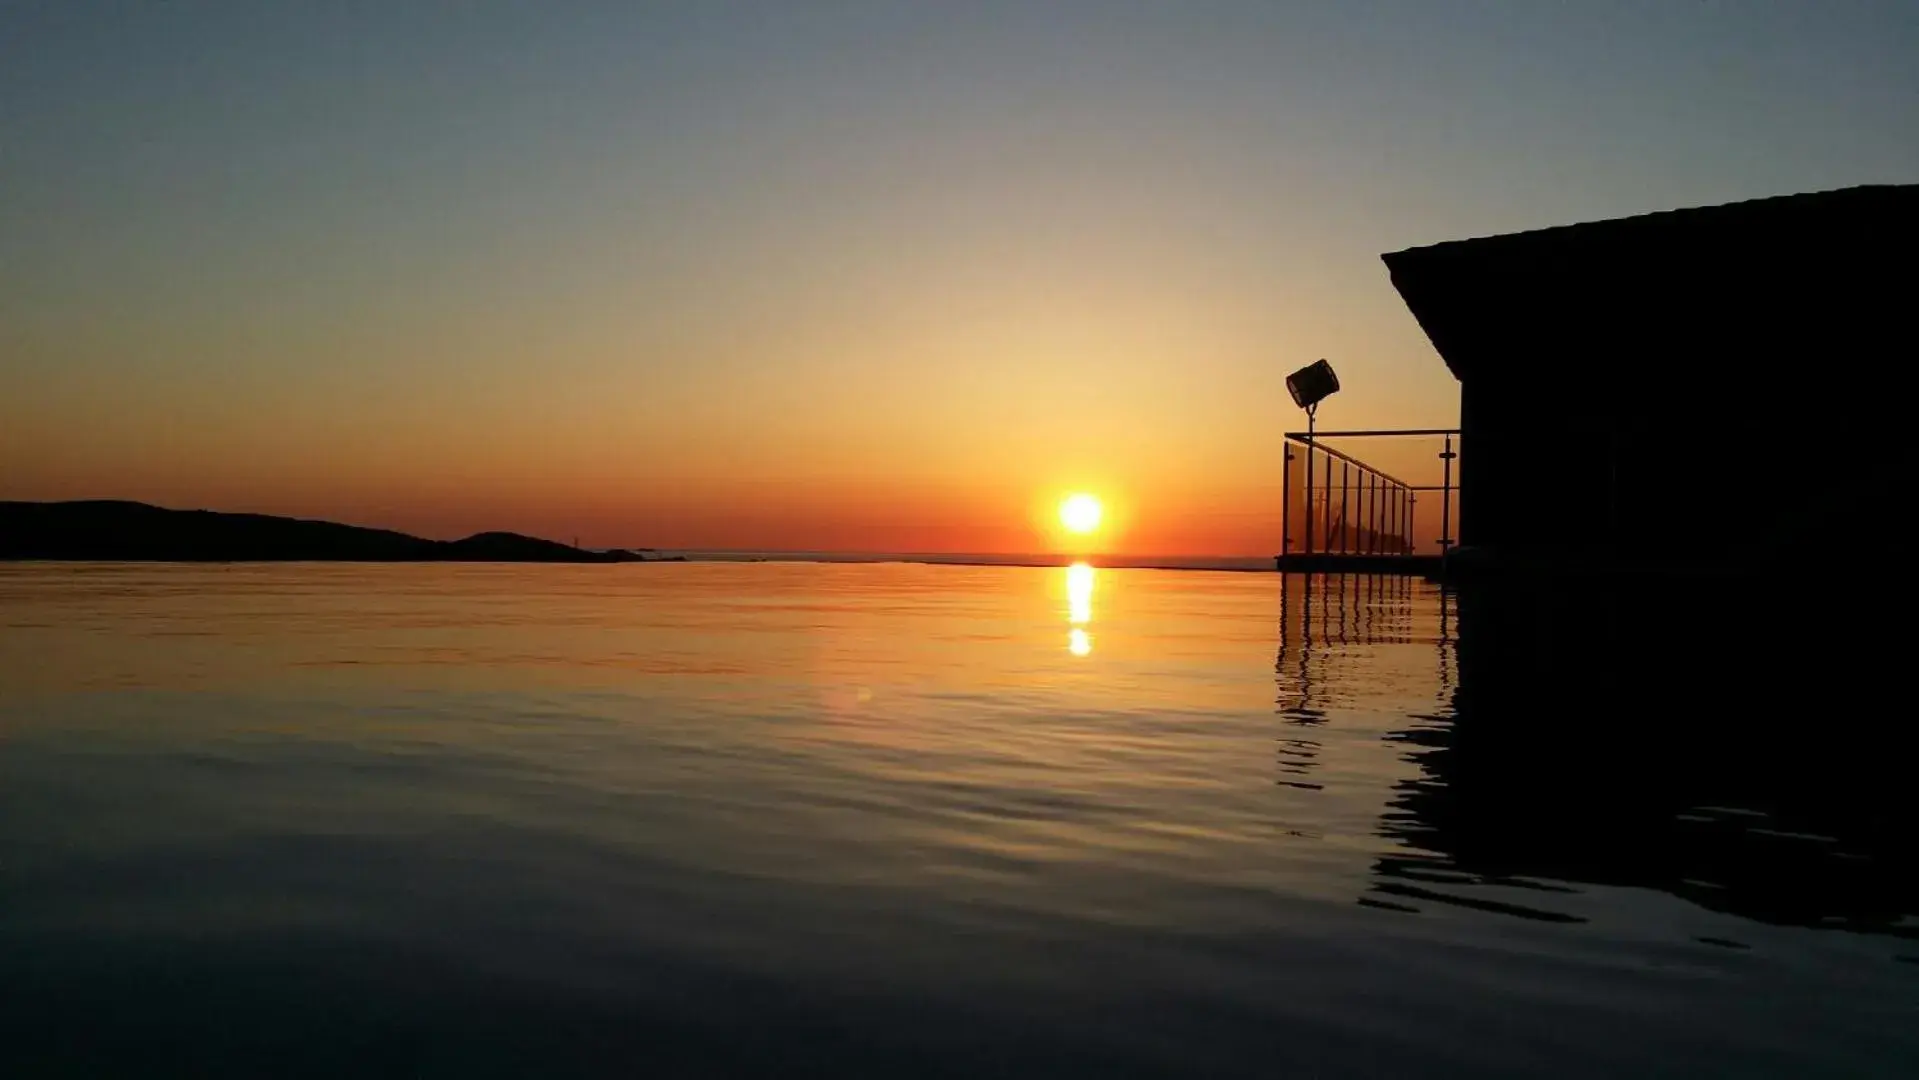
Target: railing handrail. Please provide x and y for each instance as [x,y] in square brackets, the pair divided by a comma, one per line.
[1308,436]
[1353,461]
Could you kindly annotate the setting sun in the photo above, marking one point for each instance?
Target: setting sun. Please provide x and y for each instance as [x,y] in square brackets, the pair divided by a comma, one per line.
[1080,513]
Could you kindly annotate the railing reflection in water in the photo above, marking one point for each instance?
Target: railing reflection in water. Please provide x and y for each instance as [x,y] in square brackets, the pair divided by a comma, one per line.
[1321,611]
[1326,621]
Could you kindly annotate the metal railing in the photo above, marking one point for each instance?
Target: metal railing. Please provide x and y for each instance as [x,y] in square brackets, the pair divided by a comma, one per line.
[1336,504]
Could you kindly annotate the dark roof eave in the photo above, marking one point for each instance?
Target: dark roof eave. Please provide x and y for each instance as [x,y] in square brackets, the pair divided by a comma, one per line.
[1460,290]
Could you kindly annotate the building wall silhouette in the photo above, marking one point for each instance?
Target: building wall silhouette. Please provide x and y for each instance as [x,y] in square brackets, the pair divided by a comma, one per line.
[1701,386]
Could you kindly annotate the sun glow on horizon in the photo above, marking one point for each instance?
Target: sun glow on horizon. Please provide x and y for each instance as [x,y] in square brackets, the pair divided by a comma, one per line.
[1080,513]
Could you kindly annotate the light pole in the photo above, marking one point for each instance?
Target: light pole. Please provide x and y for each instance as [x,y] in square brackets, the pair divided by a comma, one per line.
[1309,386]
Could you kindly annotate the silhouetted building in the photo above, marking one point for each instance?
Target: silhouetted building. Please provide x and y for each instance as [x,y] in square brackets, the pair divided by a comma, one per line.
[1703,386]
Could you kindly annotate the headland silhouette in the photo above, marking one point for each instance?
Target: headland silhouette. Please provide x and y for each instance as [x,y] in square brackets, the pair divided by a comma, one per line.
[111,530]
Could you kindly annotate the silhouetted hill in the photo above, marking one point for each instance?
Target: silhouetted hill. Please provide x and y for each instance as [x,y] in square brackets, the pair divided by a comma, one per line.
[109,530]
[512,547]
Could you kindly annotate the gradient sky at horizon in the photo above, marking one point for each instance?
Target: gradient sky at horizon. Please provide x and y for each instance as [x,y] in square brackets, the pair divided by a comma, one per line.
[865,276]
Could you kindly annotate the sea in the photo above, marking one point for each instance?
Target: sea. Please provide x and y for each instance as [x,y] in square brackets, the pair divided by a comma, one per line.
[884,818]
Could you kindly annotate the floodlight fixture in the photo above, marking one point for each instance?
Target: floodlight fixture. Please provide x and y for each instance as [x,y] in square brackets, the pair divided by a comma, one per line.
[1311,385]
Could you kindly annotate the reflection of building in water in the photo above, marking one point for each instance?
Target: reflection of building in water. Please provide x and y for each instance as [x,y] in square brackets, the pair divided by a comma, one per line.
[1297,757]
[1595,735]
[1079,607]
[1320,614]
[1326,620]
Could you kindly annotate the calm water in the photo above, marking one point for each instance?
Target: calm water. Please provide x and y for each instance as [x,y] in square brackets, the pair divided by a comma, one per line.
[705,819]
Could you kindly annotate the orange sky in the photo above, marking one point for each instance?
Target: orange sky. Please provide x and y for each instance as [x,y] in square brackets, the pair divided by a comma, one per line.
[932,459]
[766,276]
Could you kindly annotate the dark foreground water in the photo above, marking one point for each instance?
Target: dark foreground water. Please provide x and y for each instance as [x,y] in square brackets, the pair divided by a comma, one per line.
[712,819]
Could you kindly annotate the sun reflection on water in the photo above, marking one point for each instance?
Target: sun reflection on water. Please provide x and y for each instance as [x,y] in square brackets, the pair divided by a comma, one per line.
[1079,607]
[1079,594]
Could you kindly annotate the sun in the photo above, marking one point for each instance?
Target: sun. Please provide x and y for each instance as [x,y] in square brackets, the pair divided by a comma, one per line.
[1080,513]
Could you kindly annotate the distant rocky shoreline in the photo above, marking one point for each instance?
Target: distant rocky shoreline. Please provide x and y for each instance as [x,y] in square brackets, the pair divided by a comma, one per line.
[108,530]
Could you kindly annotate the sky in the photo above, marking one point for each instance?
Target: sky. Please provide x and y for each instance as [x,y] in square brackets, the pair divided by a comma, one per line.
[836,275]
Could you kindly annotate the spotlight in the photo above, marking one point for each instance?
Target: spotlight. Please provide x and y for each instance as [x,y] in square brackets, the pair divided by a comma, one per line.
[1312,384]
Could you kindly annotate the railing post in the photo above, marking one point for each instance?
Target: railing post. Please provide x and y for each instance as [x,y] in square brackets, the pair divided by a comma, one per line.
[1375,504]
[1327,531]
[1386,493]
[1395,507]
[1363,487]
[1359,515]
[1333,535]
[1346,484]
[1366,482]
[1286,499]
[1446,499]
[1381,515]
[1345,507]
[1309,496]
